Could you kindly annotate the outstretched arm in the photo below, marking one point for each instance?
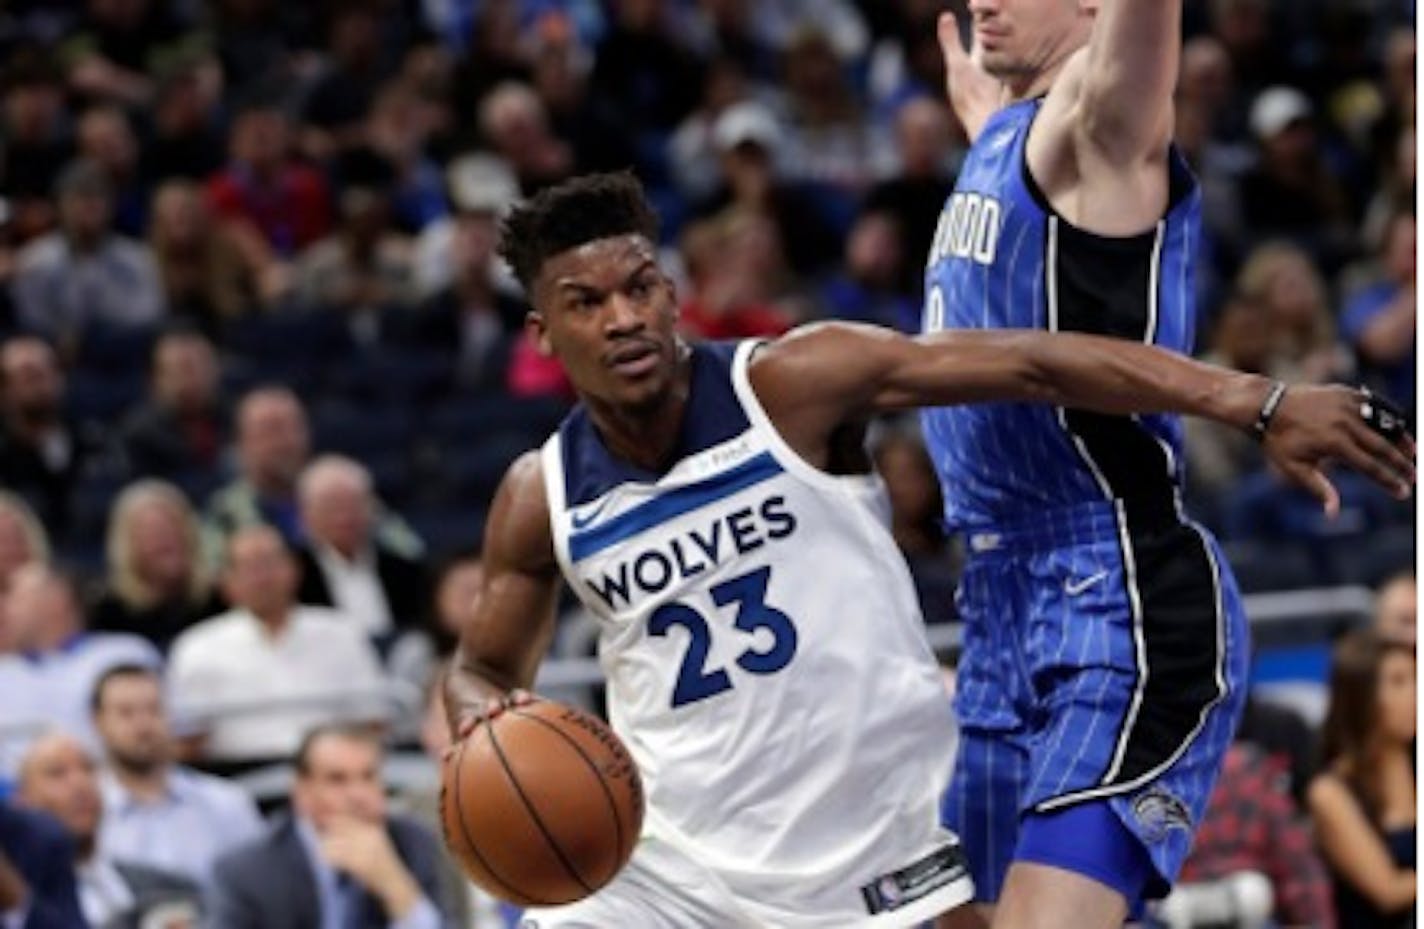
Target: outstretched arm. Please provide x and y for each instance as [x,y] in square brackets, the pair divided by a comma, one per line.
[512,622]
[820,377]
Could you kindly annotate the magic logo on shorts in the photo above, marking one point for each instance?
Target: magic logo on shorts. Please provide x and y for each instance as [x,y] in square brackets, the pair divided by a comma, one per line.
[1157,813]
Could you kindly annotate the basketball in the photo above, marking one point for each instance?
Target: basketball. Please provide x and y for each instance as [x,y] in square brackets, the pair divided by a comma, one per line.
[541,806]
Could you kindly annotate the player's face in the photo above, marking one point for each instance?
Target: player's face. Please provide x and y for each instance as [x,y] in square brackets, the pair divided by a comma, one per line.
[1018,38]
[607,311]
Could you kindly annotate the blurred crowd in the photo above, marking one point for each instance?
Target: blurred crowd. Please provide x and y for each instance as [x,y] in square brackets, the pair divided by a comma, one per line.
[261,369]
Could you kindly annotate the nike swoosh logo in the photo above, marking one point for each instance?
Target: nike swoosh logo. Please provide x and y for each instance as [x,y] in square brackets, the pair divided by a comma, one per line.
[586,518]
[1074,588]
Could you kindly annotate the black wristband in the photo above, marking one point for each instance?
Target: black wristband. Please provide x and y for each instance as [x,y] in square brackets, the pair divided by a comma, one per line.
[1268,409]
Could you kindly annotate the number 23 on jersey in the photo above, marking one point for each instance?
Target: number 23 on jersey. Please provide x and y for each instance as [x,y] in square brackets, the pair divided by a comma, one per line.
[746,594]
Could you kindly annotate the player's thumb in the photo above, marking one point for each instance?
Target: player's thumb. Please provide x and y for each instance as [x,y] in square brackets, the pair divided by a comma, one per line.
[949,44]
[1318,484]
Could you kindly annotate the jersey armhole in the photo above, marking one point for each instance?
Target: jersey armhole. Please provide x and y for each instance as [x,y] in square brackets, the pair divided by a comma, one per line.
[551,459]
[860,484]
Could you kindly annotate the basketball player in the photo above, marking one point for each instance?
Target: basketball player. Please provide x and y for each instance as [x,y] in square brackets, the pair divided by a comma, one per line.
[711,506]
[1105,645]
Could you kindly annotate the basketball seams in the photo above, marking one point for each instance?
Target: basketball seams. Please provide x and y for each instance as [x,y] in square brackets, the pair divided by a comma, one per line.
[534,814]
[465,829]
[593,768]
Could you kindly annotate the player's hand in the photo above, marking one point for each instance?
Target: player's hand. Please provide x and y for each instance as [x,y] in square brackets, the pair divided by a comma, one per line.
[1317,426]
[973,93]
[488,709]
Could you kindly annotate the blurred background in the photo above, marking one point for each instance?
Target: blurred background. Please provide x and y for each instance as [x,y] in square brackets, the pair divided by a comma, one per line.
[258,359]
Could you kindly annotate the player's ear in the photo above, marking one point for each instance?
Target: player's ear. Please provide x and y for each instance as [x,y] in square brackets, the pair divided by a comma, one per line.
[538,332]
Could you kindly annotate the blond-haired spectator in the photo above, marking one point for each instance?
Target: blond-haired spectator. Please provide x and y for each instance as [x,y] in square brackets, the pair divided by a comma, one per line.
[206,273]
[1283,281]
[22,540]
[157,584]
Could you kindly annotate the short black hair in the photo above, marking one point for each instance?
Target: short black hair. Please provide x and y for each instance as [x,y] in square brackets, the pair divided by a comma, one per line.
[567,215]
[128,669]
[350,732]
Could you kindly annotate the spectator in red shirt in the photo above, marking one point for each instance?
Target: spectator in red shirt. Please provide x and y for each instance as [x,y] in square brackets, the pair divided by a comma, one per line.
[285,203]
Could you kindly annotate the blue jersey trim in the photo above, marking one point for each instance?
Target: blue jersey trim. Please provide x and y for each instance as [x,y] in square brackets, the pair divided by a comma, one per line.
[672,505]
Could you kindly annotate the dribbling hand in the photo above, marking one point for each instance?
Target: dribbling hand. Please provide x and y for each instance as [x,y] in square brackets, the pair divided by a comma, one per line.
[1317,426]
[490,710]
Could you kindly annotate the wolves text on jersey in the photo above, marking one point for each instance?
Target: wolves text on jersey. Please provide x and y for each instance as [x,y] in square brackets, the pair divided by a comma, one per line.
[693,551]
[968,228]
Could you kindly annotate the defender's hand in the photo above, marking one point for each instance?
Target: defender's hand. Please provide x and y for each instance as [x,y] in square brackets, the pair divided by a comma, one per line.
[1315,426]
[973,92]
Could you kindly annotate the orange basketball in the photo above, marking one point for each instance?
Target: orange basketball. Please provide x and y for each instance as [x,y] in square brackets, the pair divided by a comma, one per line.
[543,805]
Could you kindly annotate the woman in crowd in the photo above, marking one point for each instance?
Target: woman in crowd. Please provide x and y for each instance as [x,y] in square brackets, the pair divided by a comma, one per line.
[1363,802]
[157,585]
[22,538]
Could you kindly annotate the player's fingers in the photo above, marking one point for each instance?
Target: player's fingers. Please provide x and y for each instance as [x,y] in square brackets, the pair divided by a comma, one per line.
[1315,481]
[1384,461]
[519,697]
[949,45]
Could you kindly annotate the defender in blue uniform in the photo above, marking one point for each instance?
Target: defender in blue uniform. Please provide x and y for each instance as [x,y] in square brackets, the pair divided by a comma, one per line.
[1105,656]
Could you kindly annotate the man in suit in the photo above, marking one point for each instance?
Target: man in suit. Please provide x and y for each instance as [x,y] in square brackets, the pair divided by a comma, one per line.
[36,873]
[345,564]
[340,862]
[58,776]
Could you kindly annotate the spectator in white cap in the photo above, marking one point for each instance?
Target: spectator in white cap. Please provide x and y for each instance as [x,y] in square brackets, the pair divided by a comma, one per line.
[1291,192]
[481,186]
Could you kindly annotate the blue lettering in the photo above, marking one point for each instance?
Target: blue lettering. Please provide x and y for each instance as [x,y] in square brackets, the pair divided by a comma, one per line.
[683,568]
[780,522]
[611,586]
[710,547]
[652,557]
[744,535]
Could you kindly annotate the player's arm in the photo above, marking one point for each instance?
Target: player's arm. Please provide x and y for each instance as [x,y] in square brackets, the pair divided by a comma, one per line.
[820,377]
[509,630]
[1124,100]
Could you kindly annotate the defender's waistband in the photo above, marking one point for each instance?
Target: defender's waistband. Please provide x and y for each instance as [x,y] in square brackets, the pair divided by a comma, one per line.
[1080,524]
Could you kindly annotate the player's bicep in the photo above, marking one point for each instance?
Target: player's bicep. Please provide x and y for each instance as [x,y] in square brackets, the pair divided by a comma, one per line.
[509,626]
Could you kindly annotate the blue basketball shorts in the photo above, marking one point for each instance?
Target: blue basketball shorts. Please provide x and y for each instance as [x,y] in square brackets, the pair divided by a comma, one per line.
[1105,661]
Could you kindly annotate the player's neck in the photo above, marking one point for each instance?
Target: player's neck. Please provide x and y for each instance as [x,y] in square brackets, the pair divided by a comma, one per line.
[645,437]
[1029,84]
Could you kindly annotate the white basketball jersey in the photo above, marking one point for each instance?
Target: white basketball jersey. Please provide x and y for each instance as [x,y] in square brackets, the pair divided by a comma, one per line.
[764,650]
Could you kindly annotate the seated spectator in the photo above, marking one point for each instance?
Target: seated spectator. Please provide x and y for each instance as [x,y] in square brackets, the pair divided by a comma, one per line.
[365,265]
[1291,192]
[158,813]
[48,675]
[273,445]
[1379,321]
[916,517]
[923,179]
[336,104]
[42,450]
[36,142]
[37,889]
[1283,282]
[1364,800]
[185,141]
[255,678]
[105,137]
[1397,609]
[394,130]
[85,270]
[181,429]
[867,290]
[736,275]
[263,193]
[208,276]
[158,585]
[473,318]
[480,186]
[340,860]
[1251,827]
[414,659]
[117,48]
[1218,455]
[60,777]
[22,541]
[344,564]
[516,124]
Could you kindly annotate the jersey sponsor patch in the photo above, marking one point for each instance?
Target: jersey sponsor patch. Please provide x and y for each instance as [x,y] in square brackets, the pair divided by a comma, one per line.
[890,892]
